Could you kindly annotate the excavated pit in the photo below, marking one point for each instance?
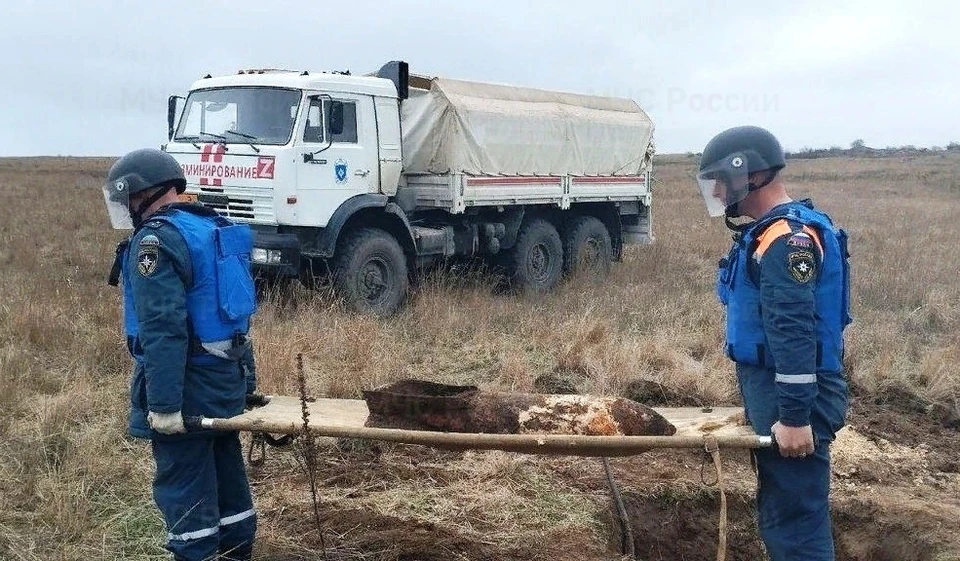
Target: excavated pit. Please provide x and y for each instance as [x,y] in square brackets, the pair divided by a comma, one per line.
[666,526]
[895,497]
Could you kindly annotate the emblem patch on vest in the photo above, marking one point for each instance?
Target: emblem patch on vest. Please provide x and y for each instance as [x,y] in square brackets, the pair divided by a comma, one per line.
[802,266]
[148,255]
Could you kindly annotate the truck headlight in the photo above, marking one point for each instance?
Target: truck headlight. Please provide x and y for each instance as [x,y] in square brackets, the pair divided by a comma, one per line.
[265,256]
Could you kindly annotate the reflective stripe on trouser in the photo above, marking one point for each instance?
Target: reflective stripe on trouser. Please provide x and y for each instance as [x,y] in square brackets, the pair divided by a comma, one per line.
[796,378]
[238,522]
[202,490]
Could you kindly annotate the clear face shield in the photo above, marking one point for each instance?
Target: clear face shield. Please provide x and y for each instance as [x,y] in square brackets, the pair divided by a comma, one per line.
[116,194]
[724,183]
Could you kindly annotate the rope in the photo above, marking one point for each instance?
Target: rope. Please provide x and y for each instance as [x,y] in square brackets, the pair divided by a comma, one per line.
[257,441]
[260,440]
[712,447]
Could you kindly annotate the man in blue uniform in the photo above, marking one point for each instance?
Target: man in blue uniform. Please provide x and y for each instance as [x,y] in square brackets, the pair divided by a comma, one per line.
[188,300]
[785,285]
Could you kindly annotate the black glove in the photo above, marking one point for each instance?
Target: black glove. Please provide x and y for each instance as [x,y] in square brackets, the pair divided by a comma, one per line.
[257,400]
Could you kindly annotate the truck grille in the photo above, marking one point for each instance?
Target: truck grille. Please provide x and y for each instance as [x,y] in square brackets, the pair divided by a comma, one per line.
[244,204]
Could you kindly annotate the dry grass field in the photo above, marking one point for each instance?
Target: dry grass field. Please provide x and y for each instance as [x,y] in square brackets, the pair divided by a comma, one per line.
[74,487]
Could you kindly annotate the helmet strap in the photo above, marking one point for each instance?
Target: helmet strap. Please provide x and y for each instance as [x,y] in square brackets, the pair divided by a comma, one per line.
[733,226]
[753,187]
[137,215]
[733,212]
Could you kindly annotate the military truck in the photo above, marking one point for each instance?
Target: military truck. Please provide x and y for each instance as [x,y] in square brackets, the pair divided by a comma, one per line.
[367,179]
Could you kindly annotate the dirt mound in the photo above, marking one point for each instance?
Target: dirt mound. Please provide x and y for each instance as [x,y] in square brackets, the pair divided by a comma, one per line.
[559,381]
[653,393]
[882,528]
[897,489]
[875,459]
[898,415]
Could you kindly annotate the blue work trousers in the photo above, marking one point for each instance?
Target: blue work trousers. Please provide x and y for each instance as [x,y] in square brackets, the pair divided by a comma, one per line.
[202,490]
[793,505]
[793,494]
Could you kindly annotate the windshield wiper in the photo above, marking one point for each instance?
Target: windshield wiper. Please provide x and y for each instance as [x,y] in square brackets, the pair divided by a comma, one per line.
[192,139]
[245,135]
[219,137]
[195,137]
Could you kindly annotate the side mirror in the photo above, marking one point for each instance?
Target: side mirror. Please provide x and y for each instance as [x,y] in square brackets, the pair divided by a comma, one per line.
[172,114]
[336,118]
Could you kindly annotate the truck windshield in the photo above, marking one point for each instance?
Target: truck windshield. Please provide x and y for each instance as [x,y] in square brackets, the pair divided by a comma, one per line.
[239,115]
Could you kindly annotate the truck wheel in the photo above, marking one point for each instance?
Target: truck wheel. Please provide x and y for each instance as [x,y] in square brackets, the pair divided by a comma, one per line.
[536,261]
[587,248]
[370,272]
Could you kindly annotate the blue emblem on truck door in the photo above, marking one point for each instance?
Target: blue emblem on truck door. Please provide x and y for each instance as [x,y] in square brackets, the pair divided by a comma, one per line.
[340,169]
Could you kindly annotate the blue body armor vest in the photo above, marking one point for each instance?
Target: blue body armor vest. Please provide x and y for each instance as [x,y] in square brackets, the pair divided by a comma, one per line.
[222,299]
[746,341]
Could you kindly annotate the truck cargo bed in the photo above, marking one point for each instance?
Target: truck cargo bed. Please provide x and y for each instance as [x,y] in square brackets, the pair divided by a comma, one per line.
[456,192]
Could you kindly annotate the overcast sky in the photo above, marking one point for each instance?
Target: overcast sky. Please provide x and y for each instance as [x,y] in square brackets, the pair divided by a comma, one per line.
[92,77]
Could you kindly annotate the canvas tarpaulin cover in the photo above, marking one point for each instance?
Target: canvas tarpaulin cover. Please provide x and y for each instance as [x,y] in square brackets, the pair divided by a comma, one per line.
[488,129]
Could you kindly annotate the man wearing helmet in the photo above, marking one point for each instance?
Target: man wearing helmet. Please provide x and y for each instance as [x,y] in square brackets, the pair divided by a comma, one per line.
[188,299]
[785,286]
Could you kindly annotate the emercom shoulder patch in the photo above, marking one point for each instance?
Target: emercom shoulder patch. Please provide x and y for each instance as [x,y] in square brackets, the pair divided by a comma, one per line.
[802,266]
[148,254]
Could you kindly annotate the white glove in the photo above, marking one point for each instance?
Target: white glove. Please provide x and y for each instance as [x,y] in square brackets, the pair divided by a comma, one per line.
[166,423]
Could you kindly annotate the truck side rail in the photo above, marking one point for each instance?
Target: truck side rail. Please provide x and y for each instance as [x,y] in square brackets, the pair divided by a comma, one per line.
[455,193]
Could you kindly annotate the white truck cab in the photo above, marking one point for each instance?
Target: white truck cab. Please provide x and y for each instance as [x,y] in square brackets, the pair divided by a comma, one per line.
[363,179]
[259,140]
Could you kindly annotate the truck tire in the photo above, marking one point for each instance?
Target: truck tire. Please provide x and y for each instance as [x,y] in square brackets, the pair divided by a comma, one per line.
[587,248]
[370,272]
[535,263]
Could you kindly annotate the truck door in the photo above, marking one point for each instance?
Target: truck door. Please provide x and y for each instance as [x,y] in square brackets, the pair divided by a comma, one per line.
[349,167]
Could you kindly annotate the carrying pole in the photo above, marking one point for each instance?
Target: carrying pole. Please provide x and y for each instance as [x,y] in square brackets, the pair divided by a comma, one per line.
[548,444]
